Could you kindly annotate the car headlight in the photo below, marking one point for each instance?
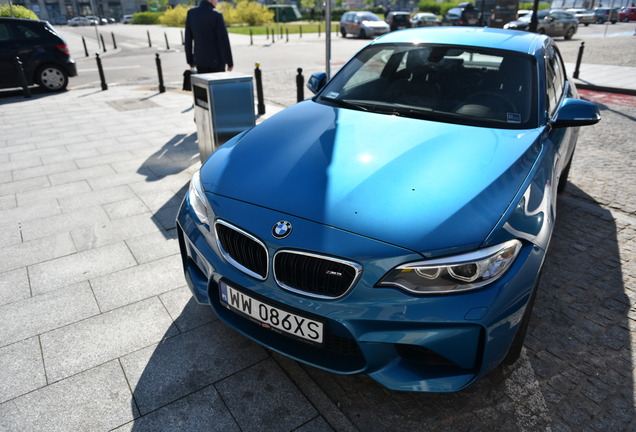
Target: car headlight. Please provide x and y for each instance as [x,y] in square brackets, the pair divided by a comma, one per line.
[452,274]
[197,200]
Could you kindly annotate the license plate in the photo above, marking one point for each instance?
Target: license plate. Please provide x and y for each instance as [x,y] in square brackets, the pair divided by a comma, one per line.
[271,317]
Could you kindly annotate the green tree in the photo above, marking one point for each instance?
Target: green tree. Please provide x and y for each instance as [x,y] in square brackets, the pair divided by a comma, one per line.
[18,12]
[308,4]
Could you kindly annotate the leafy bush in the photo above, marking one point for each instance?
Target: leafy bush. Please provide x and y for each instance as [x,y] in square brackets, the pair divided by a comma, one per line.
[146,17]
[175,17]
[18,12]
[528,6]
[245,12]
[430,6]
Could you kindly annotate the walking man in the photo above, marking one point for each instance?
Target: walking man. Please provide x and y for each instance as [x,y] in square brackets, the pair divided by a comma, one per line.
[205,28]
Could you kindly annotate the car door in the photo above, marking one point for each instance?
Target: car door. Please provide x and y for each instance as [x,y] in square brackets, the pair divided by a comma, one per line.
[8,51]
[557,89]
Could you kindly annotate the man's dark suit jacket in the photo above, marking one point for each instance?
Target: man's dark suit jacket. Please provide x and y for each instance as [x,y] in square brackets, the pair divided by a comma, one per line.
[206,27]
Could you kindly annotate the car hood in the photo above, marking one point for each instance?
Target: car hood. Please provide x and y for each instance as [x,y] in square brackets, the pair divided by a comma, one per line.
[422,185]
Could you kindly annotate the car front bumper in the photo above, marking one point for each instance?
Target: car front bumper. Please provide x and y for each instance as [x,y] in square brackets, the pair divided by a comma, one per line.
[406,342]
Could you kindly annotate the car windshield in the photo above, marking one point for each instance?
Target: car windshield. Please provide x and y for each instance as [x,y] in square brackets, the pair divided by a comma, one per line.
[540,15]
[475,86]
[369,17]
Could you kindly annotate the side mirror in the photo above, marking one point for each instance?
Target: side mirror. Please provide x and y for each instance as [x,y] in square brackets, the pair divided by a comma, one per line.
[316,82]
[576,112]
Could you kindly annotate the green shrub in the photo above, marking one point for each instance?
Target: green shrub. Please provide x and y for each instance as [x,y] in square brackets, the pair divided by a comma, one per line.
[18,12]
[430,6]
[146,17]
[252,13]
[175,17]
[445,7]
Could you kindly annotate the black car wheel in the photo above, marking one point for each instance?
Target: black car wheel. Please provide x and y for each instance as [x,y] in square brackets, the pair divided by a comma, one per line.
[600,21]
[52,78]
[541,31]
[626,19]
[343,32]
[363,34]
[569,33]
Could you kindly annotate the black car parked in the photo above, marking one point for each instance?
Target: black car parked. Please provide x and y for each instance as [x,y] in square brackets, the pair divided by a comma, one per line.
[465,14]
[44,54]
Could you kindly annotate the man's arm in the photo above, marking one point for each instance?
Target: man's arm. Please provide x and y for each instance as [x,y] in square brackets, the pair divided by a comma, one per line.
[188,41]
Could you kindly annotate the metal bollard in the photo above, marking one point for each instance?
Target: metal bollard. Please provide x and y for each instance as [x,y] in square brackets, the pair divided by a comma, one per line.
[162,89]
[166,37]
[267,32]
[286,35]
[281,32]
[578,60]
[273,36]
[259,90]
[318,30]
[85,49]
[101,72]
[23,82]
[251,40]
[300,28]
[182,39]
[114,43]
[101,36]
[149,43]
[300,84]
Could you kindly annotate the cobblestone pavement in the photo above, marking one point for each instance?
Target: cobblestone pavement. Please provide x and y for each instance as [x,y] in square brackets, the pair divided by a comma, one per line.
[576,372]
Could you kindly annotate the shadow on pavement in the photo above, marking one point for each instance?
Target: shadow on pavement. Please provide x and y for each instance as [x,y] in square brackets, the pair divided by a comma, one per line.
[575,372]
[174,157]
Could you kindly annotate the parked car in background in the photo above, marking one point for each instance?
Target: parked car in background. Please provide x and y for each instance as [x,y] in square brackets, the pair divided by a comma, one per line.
[465,14]
[553,23]
[585,17]
[425,19]
[523,12]
[127,19]
[627,14]
[97,20]
[603,15]
[79,21]
[396,223]
[362,25]
[44,54]
[398,20]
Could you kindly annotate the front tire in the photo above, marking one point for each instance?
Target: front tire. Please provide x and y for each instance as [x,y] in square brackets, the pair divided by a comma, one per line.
[52,78]
[363,34]
[569,33]
[343,32]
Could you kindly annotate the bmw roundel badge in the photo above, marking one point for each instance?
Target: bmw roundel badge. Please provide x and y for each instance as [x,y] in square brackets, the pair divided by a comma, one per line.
[282,229]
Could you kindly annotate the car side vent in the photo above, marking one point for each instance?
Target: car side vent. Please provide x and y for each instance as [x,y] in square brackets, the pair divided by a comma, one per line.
[315,275]
[242,250]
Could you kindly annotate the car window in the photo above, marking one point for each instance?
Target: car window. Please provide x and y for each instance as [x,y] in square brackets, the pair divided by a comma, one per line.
[26,33]
[555,79]
[480,86]
[5,33]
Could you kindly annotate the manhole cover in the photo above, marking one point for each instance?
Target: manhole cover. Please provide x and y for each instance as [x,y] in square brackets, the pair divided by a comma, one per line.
[132,104]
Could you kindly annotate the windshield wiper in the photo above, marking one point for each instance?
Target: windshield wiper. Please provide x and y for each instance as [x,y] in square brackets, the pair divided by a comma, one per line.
[344,103]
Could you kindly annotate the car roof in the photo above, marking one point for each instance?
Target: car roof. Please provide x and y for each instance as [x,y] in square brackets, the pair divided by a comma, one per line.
[512,40]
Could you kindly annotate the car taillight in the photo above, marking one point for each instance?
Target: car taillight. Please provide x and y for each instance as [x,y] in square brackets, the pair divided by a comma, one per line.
[63,48]
[461,21]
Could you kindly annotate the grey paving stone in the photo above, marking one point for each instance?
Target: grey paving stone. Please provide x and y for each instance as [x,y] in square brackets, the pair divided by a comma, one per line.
[262,398]
[7,202]
[32,184]
[98,399]
[137,283]
[26,212]
[79,267]
[179,366]
[21,369]
[154,246]
[125,208]
[32,252]
[14,286]
[107,232]
[203,410]
[44,170]
[8,166]
[46,192]
[114,180]
[80,174]
[10,234]
[186,313]
[63,222]
[85,344]
[35,315]
[101,159]
[95,198]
